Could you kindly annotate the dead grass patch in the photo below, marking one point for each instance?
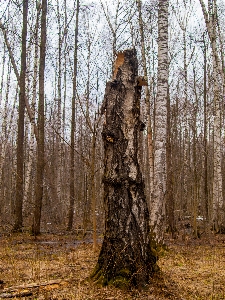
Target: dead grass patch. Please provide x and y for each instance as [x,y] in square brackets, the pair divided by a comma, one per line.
[56,267]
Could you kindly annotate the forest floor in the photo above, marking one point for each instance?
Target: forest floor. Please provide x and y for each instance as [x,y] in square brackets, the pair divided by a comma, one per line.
[56,267]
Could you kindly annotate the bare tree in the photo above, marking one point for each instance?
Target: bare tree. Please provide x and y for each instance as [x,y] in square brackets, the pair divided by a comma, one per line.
[41,126]
[210,17]
[118,24]
[73,125]
[20,135]
[157,208]
[32,141]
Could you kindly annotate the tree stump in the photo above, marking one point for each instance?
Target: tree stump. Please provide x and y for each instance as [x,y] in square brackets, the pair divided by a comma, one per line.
[127,257]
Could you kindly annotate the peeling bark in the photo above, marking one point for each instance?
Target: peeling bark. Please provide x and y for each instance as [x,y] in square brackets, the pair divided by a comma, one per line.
[127,257]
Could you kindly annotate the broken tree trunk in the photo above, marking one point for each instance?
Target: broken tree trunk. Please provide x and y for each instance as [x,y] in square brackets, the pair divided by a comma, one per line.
[126,257]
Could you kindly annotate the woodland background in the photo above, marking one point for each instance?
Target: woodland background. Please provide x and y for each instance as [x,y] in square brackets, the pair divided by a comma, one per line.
[79,60]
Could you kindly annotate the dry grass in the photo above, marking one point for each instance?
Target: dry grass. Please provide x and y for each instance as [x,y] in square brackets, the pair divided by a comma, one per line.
[59,267]
[197,267]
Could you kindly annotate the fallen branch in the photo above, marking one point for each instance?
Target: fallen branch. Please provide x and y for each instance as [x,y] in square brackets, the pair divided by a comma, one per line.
[16,294]
[19,290]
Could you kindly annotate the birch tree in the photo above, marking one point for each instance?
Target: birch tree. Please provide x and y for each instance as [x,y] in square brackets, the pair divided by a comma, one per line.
[157,208]
[126,257]
[32,140]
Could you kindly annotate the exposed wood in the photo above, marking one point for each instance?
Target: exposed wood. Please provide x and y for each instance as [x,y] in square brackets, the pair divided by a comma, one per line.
[118,63]
[142,81]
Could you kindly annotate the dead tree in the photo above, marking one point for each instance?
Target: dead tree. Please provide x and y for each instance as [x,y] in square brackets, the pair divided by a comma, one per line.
[127,257]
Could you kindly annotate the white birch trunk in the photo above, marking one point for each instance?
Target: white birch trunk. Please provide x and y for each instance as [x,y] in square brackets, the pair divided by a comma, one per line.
[6,140]
[59,110]
[157,209]
[3,72]
[28,175]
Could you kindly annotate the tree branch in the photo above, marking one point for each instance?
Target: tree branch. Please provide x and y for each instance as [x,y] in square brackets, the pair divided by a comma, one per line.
[11,56]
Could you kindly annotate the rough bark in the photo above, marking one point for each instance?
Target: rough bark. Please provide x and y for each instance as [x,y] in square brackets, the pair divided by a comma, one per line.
[20,135]
[93,189]
[41,124]
[170,201]
[127,257]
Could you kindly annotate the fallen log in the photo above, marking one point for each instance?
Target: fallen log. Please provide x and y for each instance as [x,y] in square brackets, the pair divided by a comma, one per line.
[16,294]
[22,290]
